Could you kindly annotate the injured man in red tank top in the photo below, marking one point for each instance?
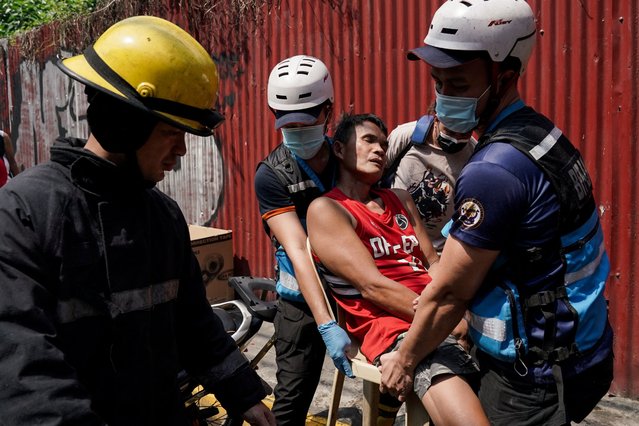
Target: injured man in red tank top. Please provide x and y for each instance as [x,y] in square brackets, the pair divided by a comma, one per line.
[375,255]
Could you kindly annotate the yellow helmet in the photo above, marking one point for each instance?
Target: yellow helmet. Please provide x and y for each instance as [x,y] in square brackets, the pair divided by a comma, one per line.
[155,66]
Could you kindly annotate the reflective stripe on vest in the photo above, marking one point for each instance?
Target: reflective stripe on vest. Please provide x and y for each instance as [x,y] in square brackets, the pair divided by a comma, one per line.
[288,281]
[122,302]
[546,144]
[494,328]
[301,186]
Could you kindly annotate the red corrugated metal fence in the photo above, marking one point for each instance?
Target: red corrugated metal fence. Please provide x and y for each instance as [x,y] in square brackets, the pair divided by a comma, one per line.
[583,74]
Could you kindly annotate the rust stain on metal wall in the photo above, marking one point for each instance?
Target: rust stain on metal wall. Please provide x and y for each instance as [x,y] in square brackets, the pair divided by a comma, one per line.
[583,74]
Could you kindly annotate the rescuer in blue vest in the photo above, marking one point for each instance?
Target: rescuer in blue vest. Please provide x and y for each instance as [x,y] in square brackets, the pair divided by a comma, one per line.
[525,253]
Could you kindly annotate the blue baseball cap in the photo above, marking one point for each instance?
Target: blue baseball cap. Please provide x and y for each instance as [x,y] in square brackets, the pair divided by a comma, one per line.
[301,116]
[443,58]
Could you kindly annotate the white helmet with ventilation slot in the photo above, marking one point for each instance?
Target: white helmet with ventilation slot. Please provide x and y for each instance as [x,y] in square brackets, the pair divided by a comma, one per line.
[298,83]
[501,28]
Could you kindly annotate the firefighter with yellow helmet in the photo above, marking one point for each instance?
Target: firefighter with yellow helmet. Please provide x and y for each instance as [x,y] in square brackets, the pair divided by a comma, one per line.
[102,299]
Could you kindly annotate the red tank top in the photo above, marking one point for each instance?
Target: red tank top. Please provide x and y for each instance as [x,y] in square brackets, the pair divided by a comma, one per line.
[391,240]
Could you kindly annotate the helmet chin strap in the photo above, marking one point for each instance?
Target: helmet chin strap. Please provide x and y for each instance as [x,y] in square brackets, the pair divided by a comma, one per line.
[329,112]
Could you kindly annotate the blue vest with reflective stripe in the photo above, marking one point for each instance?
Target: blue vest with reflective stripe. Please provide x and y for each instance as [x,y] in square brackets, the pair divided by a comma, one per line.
[574,312]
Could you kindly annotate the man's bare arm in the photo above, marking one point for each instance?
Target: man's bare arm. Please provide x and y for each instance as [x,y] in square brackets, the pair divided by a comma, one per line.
[441,306]
[333,238]
[288,230]
[430,254]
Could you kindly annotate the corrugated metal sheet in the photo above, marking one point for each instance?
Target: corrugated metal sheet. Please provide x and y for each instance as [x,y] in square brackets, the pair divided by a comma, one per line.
[363,44]
[583,74]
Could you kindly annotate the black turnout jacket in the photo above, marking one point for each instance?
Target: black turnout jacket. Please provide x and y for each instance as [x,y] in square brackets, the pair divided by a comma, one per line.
[102,302]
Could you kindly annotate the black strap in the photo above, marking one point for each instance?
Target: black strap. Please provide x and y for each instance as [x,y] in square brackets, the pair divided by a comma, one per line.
[550,328]
[423,125]
[547,297]
[108,74]
[545,302]
[559,380]
[207,117]
[389,174]
[577,245]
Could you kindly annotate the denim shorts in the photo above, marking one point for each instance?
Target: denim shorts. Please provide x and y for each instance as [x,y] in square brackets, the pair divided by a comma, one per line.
[449,358]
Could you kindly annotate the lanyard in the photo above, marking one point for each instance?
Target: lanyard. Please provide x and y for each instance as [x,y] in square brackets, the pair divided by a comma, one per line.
[310,172]
[515,106]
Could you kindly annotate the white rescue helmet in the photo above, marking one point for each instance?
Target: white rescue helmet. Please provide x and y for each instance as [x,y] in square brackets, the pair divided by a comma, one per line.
[299,83]
[501,28]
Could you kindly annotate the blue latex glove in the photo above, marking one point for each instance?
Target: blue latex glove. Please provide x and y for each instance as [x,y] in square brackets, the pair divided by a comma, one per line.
[337,341]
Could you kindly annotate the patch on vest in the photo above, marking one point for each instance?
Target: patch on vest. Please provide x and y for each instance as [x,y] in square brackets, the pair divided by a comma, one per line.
[401,221]
[471,213]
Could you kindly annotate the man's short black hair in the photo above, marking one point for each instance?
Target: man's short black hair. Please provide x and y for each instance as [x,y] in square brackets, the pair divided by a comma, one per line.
[347,122]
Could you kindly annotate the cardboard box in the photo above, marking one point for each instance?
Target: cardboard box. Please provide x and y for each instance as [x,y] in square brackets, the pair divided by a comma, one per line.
[214,251]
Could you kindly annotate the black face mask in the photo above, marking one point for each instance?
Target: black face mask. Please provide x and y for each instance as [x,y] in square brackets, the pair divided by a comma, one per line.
[449,144]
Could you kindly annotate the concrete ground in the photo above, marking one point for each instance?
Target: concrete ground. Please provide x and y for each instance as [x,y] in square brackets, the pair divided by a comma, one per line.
[611,411]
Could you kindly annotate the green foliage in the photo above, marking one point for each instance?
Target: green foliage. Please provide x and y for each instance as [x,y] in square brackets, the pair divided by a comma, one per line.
[22,15]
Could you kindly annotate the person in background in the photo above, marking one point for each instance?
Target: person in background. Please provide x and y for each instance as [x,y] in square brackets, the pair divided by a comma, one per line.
[425,159]
[8,167]
[102,298]
[525,253]
[300,169]
[380,231]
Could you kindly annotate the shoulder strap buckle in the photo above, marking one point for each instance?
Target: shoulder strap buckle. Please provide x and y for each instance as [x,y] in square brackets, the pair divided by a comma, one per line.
[544,298]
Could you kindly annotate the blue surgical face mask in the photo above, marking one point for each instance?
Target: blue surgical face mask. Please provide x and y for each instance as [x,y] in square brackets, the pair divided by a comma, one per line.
[457,113]
[304,142]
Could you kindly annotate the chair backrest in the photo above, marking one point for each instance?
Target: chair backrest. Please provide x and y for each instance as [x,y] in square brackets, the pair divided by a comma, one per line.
[358,360]
[309,251]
